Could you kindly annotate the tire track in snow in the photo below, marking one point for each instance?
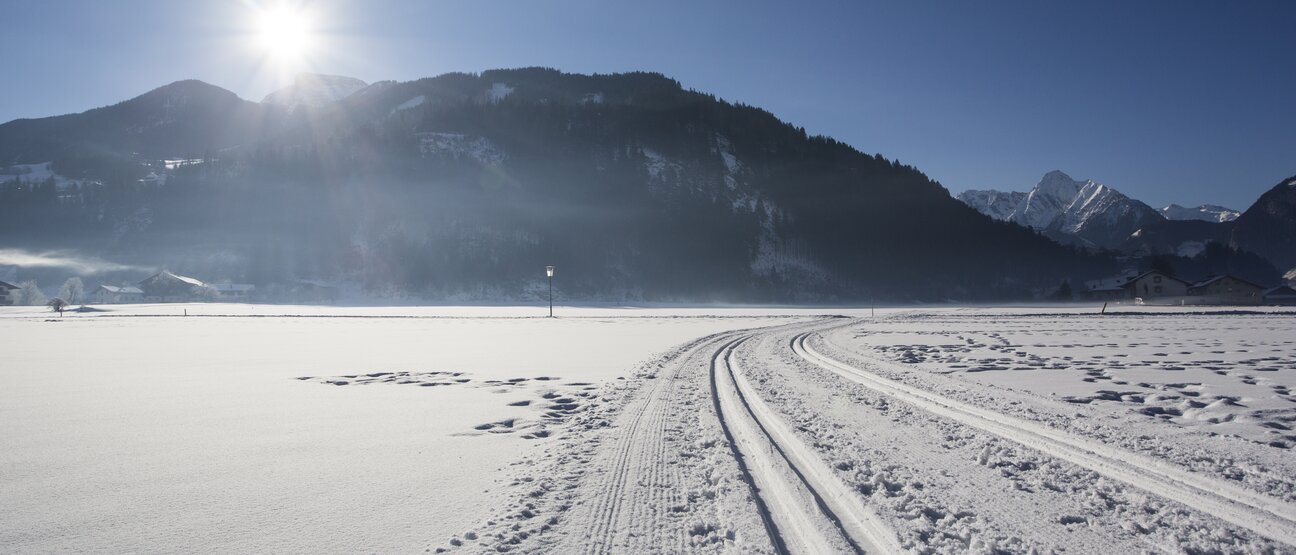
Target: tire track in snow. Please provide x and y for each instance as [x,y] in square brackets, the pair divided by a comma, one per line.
[806,508]
[1264,515]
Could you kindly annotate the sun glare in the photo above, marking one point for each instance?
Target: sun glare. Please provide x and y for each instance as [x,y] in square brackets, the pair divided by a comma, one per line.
[285,33]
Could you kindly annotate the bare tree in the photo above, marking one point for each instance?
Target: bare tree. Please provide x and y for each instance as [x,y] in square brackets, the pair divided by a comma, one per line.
[57,304]
[72,290]
[29,294]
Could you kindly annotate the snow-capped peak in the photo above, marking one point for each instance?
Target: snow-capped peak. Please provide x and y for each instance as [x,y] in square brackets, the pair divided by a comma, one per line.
[1205,212]
[314,89]
[1058,203]
[1050,197]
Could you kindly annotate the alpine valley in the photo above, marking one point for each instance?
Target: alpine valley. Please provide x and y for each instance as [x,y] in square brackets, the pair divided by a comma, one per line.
[463,186]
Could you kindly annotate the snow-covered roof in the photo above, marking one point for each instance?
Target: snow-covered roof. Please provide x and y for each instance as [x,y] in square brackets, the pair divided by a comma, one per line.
[186,279]
[7,285]
[1111,283]
[1214,279]
[122,289]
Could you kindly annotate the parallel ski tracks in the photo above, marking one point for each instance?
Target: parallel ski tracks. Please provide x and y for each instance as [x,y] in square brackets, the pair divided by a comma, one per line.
[1261,514]
[805,507]
[640,481]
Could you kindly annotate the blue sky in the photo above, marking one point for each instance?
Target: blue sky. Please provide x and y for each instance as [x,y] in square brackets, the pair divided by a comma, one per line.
[1185,102]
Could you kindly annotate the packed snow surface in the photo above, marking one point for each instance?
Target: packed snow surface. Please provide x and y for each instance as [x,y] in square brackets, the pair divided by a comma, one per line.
[636,430]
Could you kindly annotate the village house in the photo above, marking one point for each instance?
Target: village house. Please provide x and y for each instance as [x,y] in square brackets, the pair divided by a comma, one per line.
[1152,286]
[235,292]
[312,291]
[1109,289]
[7,293]
[1226,290]
[1279,296]
[166,287]
[1156,286]
[115,294]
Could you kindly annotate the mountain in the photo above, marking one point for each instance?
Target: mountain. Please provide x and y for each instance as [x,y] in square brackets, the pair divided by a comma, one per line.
[464,186]
[183,120]
[1067,210]
[1205,213]
[1268,227]
[999,205]
[314,89]
[1186,238]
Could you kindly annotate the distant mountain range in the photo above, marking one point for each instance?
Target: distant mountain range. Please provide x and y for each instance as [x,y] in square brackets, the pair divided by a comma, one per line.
[1093,215]
[1205,213]
[1067,210]
[313,89]
[464,186]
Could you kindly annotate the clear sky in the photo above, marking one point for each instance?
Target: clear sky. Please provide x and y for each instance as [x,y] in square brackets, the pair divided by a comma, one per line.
[1180,101]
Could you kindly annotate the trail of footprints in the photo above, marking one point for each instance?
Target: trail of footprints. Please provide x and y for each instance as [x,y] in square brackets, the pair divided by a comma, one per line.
[556,402]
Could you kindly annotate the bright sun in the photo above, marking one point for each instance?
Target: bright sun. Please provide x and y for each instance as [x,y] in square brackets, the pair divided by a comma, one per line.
[285,33]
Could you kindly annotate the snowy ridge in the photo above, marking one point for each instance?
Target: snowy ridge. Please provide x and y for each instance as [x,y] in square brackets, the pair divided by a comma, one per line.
[1205,213]
[999,205]
[313,89]
[1087,210]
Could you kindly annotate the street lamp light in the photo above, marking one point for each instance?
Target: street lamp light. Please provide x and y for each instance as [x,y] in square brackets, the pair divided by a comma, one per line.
[549,272]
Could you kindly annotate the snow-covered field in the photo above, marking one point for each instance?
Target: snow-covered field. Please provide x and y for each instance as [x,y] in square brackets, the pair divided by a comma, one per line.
[305,429]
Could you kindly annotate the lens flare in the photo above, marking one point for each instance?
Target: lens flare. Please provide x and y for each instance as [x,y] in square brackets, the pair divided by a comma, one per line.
[285,33]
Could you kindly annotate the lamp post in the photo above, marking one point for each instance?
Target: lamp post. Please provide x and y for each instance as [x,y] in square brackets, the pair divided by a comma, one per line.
[549,272]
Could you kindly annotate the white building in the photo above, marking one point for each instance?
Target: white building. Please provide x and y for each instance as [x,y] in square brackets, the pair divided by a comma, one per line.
[113,294]
[7,293]
[233,291]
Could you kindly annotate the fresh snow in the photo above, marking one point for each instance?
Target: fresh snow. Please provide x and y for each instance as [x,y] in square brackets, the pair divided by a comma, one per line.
[137,429]
[639,430]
